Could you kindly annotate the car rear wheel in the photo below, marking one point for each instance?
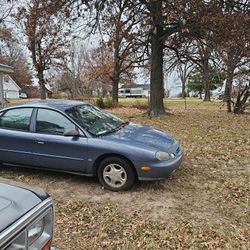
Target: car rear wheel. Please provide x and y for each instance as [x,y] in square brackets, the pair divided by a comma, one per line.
[116,174]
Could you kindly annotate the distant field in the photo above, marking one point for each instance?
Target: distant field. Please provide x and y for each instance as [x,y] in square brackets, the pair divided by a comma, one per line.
[171,102]
[203,205]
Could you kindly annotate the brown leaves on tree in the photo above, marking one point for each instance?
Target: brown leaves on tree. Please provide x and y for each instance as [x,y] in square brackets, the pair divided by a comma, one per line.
[45,27]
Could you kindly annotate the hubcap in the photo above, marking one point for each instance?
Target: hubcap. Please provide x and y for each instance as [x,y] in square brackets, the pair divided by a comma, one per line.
[114,175]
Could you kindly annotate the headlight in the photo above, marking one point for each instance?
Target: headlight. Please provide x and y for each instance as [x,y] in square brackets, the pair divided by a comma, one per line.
[162,156]
[36,236]
[19,243]
[40,232]
[35,231]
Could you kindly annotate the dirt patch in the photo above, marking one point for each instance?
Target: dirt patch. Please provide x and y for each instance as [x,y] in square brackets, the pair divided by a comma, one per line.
[66,187]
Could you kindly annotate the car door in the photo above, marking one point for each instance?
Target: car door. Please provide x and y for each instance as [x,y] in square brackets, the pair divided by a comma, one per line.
[52,149]
[16,140]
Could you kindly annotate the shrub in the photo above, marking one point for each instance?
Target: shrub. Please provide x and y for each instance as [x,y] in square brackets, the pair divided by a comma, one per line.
[140,104]
[99,102]
[108,102]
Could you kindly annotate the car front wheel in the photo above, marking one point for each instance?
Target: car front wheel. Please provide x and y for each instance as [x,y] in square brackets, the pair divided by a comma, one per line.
[116,174]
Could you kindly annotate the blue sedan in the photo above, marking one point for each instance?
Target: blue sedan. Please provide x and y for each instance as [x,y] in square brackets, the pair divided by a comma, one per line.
[79,138]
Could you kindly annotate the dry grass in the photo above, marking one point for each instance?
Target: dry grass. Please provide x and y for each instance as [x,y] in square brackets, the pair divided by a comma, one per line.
[204,205]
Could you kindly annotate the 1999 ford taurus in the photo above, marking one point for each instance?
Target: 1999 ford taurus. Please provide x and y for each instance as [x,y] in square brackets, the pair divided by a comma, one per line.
[77,137]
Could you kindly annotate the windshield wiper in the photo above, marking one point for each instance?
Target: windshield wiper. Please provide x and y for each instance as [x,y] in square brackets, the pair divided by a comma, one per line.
[122,125]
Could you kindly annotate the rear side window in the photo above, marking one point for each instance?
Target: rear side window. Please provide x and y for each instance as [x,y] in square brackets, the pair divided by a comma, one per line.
[16,119]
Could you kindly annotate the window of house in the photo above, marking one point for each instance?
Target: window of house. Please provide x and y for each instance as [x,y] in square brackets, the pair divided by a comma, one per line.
[6,79]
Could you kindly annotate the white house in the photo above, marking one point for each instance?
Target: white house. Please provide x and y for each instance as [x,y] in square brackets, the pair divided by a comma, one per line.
[10,88]
[3,70]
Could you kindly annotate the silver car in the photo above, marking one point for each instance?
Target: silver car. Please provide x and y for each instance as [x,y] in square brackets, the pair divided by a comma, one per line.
[26,218]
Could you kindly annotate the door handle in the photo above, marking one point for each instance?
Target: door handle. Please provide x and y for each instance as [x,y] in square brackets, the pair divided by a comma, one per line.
[40,142]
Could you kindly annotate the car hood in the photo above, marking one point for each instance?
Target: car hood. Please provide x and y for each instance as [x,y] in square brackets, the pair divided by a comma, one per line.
[14,203]
[142,136]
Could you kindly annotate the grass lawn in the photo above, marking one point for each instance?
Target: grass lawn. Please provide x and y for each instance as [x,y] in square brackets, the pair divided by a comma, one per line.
[203,205]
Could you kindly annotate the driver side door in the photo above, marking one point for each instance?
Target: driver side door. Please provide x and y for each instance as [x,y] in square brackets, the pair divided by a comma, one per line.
[52,149]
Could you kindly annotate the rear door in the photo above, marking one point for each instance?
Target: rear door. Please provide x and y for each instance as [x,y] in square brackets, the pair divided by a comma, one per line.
[16,140]
[54,150]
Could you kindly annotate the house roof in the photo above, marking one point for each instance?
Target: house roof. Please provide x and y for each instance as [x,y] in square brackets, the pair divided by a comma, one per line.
[48,88]
[11,82]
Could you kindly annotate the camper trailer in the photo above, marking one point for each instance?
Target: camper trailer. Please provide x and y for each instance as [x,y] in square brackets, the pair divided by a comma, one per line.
[137,90]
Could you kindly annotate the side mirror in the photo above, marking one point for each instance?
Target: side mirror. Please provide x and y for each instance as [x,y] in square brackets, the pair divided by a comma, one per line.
[69,132]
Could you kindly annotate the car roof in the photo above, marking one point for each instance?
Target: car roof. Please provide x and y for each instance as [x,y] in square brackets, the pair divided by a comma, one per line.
[61,105]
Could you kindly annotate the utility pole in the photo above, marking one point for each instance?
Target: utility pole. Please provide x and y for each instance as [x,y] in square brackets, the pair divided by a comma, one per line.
[4,69]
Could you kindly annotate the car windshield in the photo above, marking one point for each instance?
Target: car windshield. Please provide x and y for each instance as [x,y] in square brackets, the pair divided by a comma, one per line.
[94,120]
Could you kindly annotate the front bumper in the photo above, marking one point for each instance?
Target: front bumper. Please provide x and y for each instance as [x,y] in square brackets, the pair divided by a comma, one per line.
[159,170]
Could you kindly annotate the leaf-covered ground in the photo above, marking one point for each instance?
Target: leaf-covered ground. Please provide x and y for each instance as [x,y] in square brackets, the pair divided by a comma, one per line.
[203,205]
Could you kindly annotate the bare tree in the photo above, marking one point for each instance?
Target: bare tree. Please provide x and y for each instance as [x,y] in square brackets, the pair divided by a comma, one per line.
[233,48]
[183,71]
[46,32]
[243,97]
[120,24]
[7,7]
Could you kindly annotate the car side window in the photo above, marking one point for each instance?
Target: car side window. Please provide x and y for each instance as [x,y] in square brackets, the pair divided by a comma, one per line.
[16,119]
[52,122]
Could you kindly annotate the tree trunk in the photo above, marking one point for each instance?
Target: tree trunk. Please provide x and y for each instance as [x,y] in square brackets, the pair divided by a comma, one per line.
[115,91]
[228,91]
[188,91]
[74,87]
[1,91]
[242,98]
[116,67]
[206,83]
[42,85]
[200,94]
[115,78]
[183,86]
[183,74]
[156,105]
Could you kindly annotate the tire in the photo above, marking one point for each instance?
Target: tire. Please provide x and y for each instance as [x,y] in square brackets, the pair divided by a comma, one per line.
[116,174]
